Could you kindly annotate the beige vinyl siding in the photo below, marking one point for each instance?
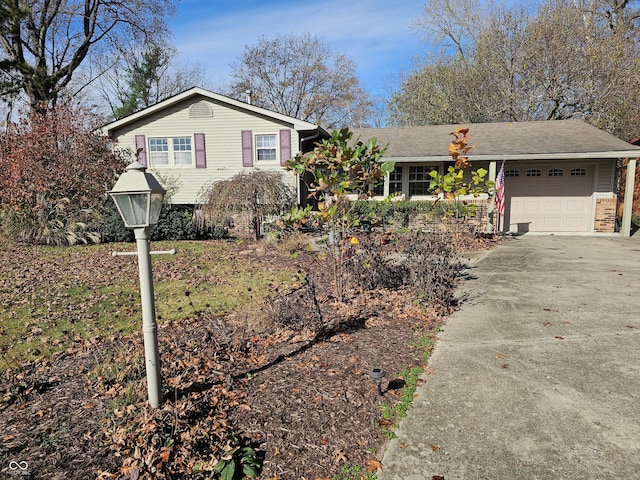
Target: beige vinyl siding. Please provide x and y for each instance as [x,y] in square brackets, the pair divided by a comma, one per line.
[605,170]
[223,142]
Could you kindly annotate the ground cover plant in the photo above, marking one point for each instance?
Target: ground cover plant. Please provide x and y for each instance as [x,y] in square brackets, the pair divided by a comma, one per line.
[263,370]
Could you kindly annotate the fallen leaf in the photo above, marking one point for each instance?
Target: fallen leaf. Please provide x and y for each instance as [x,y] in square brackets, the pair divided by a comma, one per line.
[373,466]
[339,456]
[434,448]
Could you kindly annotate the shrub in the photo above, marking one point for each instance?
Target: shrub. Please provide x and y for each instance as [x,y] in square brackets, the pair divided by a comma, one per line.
[49,223]
[54,170]
[422,262]
[257,194]
[175,223]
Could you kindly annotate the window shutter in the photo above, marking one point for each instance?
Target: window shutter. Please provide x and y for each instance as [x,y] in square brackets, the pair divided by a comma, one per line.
[141,149]
[285,146]
[201,153]
[247,148]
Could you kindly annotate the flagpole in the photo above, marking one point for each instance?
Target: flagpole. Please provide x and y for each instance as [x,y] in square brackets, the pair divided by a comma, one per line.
[499,198]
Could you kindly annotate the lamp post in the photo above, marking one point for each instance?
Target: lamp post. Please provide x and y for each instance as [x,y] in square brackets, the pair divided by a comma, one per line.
[138,196]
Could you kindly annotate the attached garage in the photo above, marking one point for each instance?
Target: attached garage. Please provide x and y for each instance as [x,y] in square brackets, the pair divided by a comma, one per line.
[549,199]
[561,176]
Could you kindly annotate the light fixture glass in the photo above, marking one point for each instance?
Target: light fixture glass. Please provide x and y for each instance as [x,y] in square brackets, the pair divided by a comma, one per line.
[138,196]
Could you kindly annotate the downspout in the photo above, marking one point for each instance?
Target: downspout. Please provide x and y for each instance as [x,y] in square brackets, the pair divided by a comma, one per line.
[628,197]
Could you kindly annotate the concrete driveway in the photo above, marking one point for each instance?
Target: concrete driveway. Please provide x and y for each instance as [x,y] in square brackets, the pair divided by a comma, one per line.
[537,376]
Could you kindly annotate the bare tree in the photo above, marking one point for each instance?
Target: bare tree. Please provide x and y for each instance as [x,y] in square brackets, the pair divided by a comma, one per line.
[454,23]
[140,77]
[302,77]
[564,61]
[43,42]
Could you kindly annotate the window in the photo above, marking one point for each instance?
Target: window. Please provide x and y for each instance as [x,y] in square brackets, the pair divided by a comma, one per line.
[170,151]
[534,172]
[395,181]
[555,172]
[578,172]
[419,179]
[511,173]
[182,151]
[266,148]
[159,151]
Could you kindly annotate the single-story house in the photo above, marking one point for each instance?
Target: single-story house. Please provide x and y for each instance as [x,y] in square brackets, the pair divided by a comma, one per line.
[560,176]
[198,137]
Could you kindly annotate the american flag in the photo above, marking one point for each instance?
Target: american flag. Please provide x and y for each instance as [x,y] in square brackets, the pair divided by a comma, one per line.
[499,197]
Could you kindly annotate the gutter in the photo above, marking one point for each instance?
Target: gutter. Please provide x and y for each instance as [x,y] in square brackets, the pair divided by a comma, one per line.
[520,157]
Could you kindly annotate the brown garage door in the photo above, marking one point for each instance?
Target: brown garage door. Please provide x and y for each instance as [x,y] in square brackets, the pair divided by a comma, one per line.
[548,199]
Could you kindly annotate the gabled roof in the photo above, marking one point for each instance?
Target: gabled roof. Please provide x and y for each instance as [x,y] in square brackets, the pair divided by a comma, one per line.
[544,140]
[197,91]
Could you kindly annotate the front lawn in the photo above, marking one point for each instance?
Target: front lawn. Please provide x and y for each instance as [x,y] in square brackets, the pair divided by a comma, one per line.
[53,296]
[261,365]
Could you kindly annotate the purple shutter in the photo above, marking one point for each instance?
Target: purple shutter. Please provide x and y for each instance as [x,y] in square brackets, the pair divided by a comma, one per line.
[247,148]
[285,146]
[201,153]
[141,149]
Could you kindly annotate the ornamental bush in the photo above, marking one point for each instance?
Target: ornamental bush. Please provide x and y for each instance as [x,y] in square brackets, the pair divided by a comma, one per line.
[55,170]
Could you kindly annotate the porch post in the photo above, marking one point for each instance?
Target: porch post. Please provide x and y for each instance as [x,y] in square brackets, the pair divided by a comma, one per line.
[491,226]
[628,197]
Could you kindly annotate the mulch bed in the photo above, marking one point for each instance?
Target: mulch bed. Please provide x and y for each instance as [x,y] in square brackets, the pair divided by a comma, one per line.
[306,401]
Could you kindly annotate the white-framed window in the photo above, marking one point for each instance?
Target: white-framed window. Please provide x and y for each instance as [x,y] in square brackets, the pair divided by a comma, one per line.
[266,150]
[419,179]
[578,172]
[534,172]
[168,152]
[158,151]
[182,151]
[511,173]
[555,172]
[395,181]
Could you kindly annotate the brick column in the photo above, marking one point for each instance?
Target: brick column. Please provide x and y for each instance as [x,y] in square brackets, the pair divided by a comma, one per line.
[605,221]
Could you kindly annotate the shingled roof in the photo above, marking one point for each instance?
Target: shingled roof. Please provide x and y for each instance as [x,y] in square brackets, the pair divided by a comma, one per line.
[544,140]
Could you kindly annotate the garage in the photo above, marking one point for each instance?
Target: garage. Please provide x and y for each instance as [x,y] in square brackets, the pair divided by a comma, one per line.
[549,198]
[562,175]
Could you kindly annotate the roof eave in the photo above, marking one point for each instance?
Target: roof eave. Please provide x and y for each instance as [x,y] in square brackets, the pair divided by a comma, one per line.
[297,124]
[522,157]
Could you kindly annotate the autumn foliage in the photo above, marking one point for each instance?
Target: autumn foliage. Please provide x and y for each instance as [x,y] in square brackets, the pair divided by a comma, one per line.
[54,170]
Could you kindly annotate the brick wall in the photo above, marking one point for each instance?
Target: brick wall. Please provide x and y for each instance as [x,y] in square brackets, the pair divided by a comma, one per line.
[605,215]
[478,223]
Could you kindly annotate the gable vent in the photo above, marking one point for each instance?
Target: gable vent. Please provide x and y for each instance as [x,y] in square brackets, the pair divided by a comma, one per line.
[200,109]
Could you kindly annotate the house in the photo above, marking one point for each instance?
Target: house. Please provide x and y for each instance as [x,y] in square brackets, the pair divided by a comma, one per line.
[198,137]
[560,176]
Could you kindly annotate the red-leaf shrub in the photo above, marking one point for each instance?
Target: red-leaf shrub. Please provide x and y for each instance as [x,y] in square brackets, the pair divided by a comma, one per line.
[55,155]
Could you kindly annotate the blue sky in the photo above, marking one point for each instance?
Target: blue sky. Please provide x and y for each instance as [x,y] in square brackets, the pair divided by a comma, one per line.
[376,34]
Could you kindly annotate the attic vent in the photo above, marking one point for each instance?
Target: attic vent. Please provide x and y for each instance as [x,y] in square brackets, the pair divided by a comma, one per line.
[200,109]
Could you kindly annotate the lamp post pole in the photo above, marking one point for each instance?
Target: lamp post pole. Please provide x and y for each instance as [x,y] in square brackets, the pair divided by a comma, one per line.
[149,325]
[138,196]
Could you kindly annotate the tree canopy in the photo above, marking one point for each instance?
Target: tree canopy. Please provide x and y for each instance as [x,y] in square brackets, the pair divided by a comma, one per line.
[300,76]
[44,42]
[568,59]
[141,77]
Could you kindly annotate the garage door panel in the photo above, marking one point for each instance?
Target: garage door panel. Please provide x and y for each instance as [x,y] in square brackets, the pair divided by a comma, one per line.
[544,214]
[548,204]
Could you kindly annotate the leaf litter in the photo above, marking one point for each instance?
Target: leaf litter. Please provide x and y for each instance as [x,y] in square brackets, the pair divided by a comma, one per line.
[297,391]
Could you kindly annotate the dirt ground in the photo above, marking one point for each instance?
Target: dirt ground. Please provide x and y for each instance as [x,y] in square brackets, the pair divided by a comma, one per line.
[305,400]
